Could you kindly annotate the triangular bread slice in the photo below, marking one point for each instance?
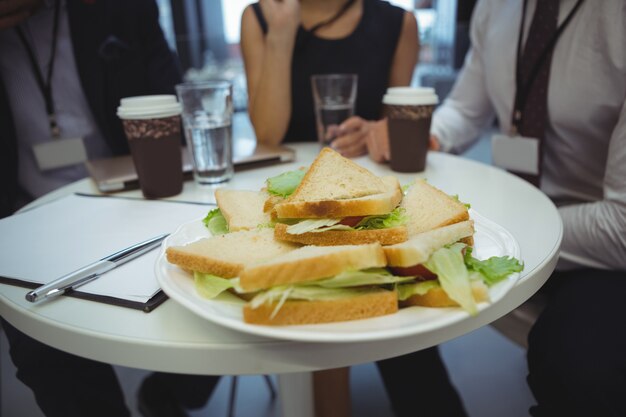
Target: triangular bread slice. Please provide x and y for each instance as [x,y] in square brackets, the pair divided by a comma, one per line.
[388,236]
[428,208]
[372,303]
[310,263]
[242,209]
[380,203]
[226,255]
[420,247]
[333,177]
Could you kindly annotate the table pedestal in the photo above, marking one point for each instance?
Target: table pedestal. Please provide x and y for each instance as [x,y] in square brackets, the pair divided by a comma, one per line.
[295,391]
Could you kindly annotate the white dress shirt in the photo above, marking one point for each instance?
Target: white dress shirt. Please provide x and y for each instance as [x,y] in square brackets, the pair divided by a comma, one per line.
[584,160]
[74,116]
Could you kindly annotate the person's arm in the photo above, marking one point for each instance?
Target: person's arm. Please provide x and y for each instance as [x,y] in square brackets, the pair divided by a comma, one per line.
[360,133]
[459,121]
[407,53]
[267,60]
[594,234]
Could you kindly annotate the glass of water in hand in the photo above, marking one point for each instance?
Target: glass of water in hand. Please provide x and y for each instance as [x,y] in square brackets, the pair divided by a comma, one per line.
[207,113]
[334,97]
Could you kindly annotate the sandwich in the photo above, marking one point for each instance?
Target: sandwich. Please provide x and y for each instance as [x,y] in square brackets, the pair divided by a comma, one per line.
[241,209]
[444,270]
[338,202]
[220,258]
[428,208]
[320,284]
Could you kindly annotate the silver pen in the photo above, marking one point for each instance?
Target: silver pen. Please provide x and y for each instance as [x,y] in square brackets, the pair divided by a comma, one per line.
[92,271]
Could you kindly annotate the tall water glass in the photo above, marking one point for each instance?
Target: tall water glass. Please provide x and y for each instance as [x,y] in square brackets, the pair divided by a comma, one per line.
[207,120]
[334,97]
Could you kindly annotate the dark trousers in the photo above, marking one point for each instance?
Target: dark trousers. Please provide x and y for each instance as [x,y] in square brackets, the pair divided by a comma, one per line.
[577,347]
[66,385]
[418,385]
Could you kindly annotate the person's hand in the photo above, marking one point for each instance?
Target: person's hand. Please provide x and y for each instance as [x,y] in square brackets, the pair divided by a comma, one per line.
[282,17]
[351,137]
[378,141]
[13,12]
[434,143]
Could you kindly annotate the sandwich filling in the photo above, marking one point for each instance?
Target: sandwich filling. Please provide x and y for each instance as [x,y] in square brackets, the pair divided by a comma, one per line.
[453,268]
[395,218]
[344,285]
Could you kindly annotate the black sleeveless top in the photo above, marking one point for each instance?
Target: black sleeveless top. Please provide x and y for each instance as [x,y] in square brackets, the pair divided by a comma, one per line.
[368,51]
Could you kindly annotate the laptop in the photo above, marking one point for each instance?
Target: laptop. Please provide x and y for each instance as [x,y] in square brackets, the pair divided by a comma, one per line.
[118,173]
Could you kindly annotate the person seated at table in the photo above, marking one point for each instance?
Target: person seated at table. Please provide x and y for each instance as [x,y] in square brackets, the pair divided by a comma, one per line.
[283,43]
[76,59]
[568,112]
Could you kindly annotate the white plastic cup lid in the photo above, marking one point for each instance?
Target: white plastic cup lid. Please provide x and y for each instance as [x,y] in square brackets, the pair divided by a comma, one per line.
[410,91]
[147,101]
[411,100]
[153,112]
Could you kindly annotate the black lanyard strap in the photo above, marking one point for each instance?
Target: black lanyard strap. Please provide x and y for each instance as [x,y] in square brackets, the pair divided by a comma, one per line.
[522,91]
[45,85]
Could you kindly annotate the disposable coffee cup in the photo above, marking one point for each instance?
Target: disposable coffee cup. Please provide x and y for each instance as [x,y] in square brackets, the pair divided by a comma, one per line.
[153,129]
[409,113]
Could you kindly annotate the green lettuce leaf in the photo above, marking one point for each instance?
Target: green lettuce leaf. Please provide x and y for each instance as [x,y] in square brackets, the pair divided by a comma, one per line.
[456,197]
[397,217]
[210,286]
[286,183]
[215,222]
[371,276]
[418,288]
[448,263]
[494,269]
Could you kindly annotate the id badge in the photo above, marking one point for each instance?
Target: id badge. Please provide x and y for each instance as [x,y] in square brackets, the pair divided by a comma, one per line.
[515,153]
[59,153]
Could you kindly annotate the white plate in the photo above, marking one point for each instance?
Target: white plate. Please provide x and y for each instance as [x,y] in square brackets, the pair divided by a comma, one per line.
[490,239]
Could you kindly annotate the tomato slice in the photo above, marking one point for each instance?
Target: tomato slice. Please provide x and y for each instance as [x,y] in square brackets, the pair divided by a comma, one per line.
[419,271]
[351,221]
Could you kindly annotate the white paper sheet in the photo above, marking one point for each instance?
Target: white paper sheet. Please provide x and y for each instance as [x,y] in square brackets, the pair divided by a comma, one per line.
[54,239]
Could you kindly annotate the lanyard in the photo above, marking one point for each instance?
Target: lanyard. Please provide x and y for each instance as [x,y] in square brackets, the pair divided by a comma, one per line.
[45,85]
[522,90]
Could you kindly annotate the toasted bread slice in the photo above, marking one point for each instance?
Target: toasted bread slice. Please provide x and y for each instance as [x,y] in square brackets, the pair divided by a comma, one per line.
[388,236]
[310,263]
[437,297]
[370,304]
[270,202]
[420,247]
[381,203]
[227,255]
[242,209]
[429,208]
[333,177]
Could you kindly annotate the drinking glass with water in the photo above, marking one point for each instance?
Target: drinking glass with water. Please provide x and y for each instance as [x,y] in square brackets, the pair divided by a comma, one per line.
[207,120]
[334,97]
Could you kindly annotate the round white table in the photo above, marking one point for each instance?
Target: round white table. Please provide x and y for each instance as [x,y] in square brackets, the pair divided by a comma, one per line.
[172,339]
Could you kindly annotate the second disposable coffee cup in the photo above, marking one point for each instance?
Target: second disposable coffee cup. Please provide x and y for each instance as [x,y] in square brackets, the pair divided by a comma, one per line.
[153,129]
[409,113]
